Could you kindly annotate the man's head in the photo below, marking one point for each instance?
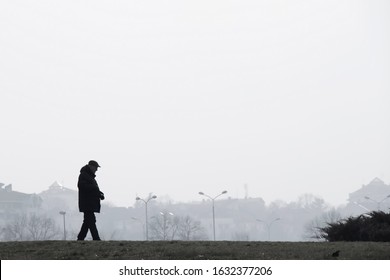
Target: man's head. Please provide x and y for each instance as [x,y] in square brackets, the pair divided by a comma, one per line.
[93,165]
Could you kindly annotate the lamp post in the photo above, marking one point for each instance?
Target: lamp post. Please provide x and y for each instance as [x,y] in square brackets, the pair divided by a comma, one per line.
[268,226]
[146,212]
[63,213]
[361,206]
[377,202]
[213,199]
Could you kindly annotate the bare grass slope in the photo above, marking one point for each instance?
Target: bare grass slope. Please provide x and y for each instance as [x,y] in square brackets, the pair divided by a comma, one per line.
[193,250]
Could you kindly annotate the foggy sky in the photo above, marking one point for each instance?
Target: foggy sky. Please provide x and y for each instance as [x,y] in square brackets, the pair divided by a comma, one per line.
[177,97]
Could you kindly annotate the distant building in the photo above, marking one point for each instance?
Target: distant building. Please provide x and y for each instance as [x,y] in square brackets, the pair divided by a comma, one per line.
[374,196]
[59,197]
[13,203]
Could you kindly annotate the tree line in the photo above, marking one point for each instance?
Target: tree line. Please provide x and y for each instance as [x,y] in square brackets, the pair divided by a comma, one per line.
[307,218]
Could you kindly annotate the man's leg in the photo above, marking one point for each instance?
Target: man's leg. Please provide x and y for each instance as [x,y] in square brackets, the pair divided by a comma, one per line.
[84,228]
[91,220]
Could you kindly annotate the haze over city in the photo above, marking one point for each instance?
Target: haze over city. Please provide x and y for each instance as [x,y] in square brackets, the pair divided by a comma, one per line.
[177,97]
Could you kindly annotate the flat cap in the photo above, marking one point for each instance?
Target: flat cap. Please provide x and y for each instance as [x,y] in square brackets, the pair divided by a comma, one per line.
[94,163]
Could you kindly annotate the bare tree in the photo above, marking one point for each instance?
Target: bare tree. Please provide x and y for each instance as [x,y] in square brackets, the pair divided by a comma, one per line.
[167,227]
[41,228]
[313,228]
[310,201]
[189,229]
[15,230]
[163,226]
[30,227]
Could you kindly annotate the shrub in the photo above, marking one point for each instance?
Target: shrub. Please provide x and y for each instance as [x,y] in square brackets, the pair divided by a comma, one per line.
[374,226]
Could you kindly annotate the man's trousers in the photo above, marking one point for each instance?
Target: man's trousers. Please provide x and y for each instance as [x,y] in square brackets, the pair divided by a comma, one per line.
[89,223]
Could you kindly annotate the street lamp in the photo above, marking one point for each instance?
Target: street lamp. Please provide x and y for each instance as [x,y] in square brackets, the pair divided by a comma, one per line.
[213,199]
[268,226]
[361,206]
[63,213]
[146,212]
[378,202]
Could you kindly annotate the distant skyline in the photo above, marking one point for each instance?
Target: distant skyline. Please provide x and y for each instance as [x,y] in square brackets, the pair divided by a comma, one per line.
[242,194]
[177,97]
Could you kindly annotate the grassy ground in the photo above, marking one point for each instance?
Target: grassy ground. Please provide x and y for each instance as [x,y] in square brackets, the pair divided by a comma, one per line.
[178,250]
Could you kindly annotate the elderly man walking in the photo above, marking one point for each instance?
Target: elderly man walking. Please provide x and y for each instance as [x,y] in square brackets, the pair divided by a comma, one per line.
[89,199]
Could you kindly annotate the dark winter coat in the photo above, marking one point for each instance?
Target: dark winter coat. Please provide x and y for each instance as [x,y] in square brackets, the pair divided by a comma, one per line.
[89,192]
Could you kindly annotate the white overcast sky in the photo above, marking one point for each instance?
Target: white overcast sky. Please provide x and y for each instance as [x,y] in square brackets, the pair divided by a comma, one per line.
[177,97]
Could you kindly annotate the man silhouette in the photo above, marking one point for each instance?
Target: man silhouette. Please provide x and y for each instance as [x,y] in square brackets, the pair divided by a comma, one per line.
[89,199]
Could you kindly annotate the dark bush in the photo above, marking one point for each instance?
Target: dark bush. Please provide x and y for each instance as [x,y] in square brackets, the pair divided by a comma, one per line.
[374,226]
